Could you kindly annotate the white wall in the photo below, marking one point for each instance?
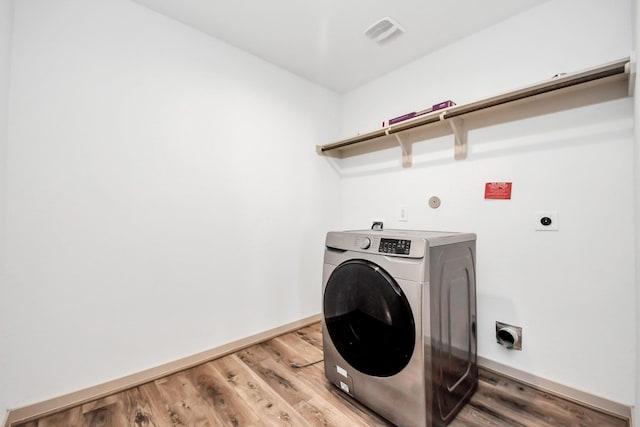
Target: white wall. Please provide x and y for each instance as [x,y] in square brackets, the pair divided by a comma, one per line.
[6,20]
[164,196]
[572,291]
[636,105]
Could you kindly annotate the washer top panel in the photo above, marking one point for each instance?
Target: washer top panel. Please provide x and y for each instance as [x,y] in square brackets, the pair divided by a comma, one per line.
[402,243]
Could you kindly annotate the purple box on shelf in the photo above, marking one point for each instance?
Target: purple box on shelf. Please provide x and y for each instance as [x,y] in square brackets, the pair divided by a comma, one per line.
[404,117]
[442,105]
[401,118]
[439,106]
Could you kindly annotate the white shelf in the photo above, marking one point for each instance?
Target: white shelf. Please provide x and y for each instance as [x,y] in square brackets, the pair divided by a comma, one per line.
[605,82]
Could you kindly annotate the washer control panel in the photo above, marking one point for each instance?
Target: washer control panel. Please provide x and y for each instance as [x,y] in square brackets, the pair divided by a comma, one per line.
[395,246]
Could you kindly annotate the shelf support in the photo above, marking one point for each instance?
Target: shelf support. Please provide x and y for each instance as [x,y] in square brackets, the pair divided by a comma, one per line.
[630,69]
[460,135]
[406,151]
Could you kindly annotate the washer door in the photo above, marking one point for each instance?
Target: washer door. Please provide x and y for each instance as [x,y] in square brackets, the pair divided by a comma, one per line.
[369,318]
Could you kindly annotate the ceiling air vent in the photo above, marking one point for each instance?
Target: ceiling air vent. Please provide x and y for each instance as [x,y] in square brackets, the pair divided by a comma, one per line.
[384,30]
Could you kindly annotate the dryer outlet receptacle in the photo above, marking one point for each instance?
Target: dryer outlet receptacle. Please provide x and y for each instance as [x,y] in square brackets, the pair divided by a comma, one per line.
[546,221]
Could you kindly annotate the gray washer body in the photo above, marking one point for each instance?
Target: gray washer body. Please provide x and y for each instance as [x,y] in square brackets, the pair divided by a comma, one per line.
[399,321]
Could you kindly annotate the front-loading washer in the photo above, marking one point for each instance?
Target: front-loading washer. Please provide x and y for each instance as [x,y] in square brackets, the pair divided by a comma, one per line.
[399,322]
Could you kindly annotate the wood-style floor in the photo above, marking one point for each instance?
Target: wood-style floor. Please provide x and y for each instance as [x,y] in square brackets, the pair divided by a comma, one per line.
[258,387]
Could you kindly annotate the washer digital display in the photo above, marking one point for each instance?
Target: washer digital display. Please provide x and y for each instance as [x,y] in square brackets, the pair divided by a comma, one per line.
[395,246]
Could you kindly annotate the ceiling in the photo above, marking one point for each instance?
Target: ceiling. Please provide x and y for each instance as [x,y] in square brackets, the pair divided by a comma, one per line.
[323,41]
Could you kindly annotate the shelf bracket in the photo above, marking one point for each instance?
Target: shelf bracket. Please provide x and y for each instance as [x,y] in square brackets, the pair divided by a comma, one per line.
[406,151]
[460,146]
[630,69]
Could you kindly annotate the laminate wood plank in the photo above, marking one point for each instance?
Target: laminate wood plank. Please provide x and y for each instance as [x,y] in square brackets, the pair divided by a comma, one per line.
[311,334]
[151,409]
[508,409]
[370,417]
[271,360]
[319,412]
[100,403]
[292,350]
[69,418]
[184,404]
[537,405]
[220,395]
[266,402]
[279,378]
[258,387]
[476,417]
[144,407]
[107,416]
[296,347]
[107,412]
[318,408]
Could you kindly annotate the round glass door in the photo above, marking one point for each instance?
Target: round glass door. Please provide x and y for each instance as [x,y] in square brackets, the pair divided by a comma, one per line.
[369,318]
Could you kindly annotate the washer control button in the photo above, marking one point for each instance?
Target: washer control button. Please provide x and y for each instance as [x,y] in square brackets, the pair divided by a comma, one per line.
[364,243]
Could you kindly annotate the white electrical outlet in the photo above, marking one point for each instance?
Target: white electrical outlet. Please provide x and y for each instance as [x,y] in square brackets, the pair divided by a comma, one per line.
[404,214]
[546,221]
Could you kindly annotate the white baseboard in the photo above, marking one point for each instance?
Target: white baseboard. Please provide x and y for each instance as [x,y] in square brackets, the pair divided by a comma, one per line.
[47,407]
[578,396]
